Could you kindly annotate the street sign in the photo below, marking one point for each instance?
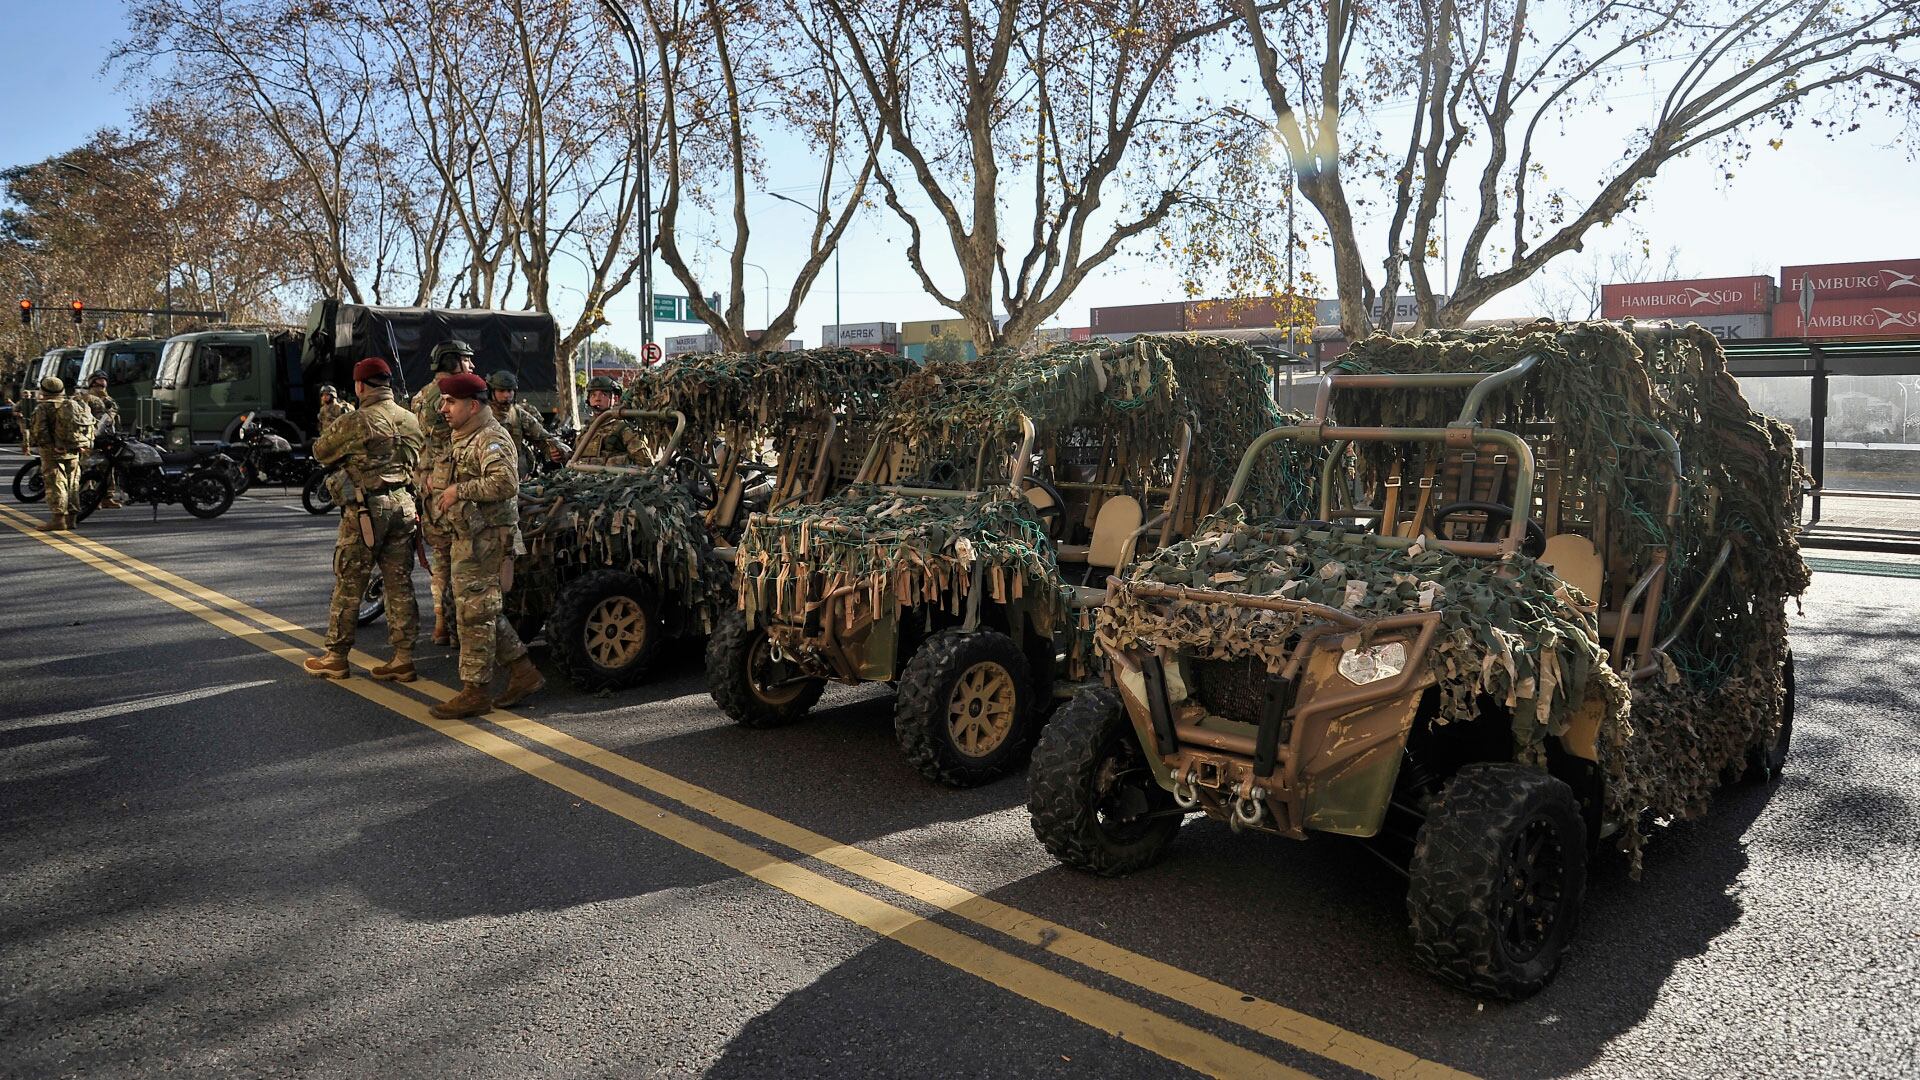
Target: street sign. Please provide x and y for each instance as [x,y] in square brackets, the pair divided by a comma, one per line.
[653,352]
[670,308]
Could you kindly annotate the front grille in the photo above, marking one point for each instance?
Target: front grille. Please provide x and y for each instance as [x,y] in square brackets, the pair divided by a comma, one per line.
[1234,689]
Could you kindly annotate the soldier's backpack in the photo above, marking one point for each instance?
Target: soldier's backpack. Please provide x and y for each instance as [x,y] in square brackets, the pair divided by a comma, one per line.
[72,426]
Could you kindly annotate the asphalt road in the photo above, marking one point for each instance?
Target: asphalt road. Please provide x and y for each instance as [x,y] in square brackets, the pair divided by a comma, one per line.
[217,865]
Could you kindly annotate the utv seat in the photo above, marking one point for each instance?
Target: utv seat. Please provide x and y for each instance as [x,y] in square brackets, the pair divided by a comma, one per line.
[1119,518]
[1574,560]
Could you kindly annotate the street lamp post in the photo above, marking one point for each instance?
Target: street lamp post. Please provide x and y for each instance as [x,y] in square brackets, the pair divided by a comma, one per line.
[766,295]
[836,261]
[637,52]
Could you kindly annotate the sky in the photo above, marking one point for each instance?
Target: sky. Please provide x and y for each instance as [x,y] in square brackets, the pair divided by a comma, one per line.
[1811,201]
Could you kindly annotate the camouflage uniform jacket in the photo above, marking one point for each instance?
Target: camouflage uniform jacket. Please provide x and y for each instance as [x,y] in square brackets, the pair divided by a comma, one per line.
[332,411]
[106,413]
[435,471]
[530,436]
[616,443]
[377,445]
[61,426]
[486,481]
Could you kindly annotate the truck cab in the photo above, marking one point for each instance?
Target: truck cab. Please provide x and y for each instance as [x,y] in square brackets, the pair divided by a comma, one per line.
[130,365]
[207,380]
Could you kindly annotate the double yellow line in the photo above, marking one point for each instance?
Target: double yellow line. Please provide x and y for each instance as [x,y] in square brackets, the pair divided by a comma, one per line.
[1151,1030]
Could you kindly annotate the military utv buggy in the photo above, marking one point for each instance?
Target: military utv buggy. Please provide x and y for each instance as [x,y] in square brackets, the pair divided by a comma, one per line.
[1541,603]
[964,562]
[621,553]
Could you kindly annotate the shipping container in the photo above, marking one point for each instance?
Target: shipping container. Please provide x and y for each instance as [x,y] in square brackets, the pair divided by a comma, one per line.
[920,333]
[1140,319]
[1080,333]
[1699,296]
[918,351]
[1405,308]
[1236,313]
[1881,317]
[869,333]
[1855,280]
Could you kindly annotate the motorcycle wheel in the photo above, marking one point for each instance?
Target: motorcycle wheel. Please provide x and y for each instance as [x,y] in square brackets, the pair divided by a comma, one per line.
[315,496]
[373,602]
[240,478]
[28,485]
[93,487]
[206,494]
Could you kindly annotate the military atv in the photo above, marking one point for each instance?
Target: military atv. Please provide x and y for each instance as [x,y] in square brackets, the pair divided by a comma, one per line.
[1541,602]
[623,554]
[964,562]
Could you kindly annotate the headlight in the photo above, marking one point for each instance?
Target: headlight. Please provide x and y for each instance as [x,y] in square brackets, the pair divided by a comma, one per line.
[1370,665]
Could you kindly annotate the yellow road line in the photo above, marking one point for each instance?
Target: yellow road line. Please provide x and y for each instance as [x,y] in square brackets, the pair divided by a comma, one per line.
[1291,1026]
[1135,1024]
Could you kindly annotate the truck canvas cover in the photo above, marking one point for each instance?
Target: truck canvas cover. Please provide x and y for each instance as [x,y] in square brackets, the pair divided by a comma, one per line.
[341,335]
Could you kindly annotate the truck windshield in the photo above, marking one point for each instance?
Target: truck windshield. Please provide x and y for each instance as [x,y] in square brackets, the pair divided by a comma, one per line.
[95,357]
[173,364]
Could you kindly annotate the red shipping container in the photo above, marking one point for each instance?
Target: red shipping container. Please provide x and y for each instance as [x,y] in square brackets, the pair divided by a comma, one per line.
[1080,333]
[1251,312]
[1140,318]
[1854,280]
[1881,317]
[1701,296]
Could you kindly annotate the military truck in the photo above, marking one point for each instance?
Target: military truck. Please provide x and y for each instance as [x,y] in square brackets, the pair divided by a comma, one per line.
[62,364]
[965,561]
[130,365]
[624,554]
[1541,602]
[209,380]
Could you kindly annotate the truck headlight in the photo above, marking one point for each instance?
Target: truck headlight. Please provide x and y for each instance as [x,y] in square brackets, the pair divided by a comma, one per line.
[1371,664]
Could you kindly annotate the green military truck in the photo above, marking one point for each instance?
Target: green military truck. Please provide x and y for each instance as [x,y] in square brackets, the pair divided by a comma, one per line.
[209,379]
[130,365]
[63,364]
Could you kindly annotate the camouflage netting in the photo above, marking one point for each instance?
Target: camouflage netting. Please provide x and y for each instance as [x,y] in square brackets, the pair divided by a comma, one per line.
[721,390]
[923,551]
[1718,690]
[574,522]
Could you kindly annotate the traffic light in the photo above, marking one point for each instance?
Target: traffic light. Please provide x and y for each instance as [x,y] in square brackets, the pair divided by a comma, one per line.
[26,312]
[79,309]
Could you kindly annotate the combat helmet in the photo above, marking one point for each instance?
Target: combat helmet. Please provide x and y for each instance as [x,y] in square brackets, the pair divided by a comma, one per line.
[603,382]
[503,380]
[325,389]
[445,356]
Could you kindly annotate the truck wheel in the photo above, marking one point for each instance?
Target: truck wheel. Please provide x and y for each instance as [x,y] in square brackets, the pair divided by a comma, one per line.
[315,496]
[963,715]
[28,485]
[1496,880]
[604,629]
[1091,793]
[743,677]
[206,494]
[1765,761]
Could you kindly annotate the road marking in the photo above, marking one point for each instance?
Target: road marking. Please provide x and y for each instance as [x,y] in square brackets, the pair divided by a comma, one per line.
[1149,1030]
[154,701]
[1268,1018]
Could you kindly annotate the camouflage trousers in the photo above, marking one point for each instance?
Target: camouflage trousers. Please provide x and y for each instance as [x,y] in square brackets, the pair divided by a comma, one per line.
[353,566]
[487,640]
[61,475]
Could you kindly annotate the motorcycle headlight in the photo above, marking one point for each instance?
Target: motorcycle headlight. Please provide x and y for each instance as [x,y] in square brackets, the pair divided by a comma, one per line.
[1374,663]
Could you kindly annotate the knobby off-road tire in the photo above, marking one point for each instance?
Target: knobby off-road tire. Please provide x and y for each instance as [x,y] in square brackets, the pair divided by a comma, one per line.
[605,629]
[28,485]
[965,713]
[1496,880]
[314,495]
[737,656]
[1766,760]
[1090,786]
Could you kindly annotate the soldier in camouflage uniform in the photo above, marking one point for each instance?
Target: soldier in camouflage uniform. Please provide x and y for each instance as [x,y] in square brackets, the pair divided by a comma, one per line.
[376,447]
[433,476]
[106,417]
[482,506]
[331,407]
[61,430]
[615,442]
[520,421]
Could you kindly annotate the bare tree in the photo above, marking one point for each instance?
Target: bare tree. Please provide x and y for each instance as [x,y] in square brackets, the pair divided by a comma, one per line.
[1491,81]
[1079,124]
[1572,290]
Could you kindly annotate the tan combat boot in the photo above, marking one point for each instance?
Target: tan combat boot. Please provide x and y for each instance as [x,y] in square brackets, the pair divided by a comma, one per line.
[52,524]
[523,678]
[68,521]
[472,700]
[398,669]
[327,666]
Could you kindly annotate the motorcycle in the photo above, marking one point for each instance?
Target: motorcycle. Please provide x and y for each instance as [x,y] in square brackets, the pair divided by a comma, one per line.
[199,480]
[265,457]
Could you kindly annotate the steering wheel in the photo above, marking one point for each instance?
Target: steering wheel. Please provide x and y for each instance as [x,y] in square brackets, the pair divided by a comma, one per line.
[1533,546]
[1051,517]
[699,482]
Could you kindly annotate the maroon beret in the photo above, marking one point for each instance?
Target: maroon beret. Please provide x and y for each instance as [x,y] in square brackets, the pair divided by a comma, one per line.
[465,384]
[371,368]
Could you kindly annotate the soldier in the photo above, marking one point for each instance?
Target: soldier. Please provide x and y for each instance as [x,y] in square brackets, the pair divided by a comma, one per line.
[106,417]
[331,407]
[521,422]
[376,447]
[481,505]
[62,430]
[613,442]
[451,357]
